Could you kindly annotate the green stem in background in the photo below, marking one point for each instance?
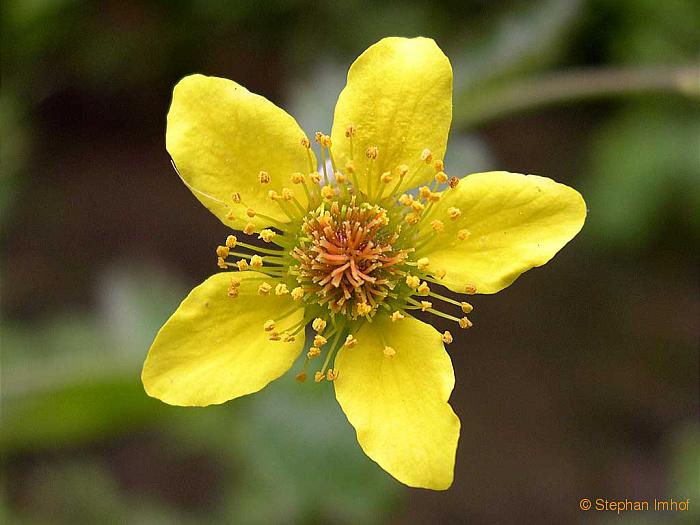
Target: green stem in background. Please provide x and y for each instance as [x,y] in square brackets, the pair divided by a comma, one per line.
[474,107]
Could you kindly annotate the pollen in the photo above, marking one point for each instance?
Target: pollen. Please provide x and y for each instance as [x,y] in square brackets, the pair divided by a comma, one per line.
[297,178]
[372,152]
[269,325]
[221,263]
[440,274]
[232,292]
[281,289]
[412,281]
[453,182]
[465,323]
[242,265]
[466,307]
[331,375]
[249,229]
[236,197]
[441,177]
[231,241]
[287,194]
[470,289]
[274,336]
[319,376]
[426,156]
[454,213]
[318,324]
[389,351]
[412,218]
[319,340]
[406,199]
[463,234]
[417,206]
[250,212]
[256,262]
[423,289]
[424,192]
[297,293]
[439,165]
[305,142]
[447,337]
[222,251]
[273,195]
[267,235]
[350,167]
[397,316]
[386,177]
[350,341]
[350,131]
[301,377]
[340,177]
[363,309]
[264,289]
[327,192]
[425,305]
[288,338]
[423,263]
[313,352]
[315,177]
[326,141]
[264,177]
[434,197]
[437,225]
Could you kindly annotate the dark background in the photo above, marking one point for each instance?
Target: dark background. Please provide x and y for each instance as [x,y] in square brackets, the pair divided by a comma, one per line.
[580,380]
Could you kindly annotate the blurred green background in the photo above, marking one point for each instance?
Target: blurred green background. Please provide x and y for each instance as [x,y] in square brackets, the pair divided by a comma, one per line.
[580,380]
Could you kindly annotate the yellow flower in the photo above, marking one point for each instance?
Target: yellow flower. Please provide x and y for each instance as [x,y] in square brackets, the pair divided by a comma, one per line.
[349,250]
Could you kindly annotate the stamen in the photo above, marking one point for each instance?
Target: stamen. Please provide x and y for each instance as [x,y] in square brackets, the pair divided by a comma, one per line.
[264,289]
[396,316]
[264,177]
[231,241]
[447,337]
[389,352]
[318,324]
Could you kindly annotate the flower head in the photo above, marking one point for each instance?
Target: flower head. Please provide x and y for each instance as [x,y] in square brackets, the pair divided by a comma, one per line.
[352,254]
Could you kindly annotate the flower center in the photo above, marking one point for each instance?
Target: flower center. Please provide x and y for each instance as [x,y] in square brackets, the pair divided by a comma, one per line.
[346,257]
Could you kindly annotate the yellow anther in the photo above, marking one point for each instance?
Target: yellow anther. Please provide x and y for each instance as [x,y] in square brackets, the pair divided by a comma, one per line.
[372,152]
[235,282]
[264,177]
[389,351]
[339,177]
[269,325]
[221,263]
[274,336]
[386,177]
[222,251]
[350,167]
[231,241]
[273,195]
[440,274]
[318,324]
[425,305]
[315,177]
[406,199]
[434,197]
[231,216]
[437,225]
[402,170]
[288,338]
[267,235]
[463,234]
[318,136]
[350,341]
[447,337]
[350,131]
[465,323]
[470,289]
[423,263]
[363,309]
[281,289]
[318,376]
[250,212]
[466,307]
[256,262]
[287,194]
[454,213]
[426,156]
[331,375]
[423,289]
[319,340]
[232,292]
[327,192]
[236,197]
[397,316]
[417,206]
[297,178]
[453,182]
[326,141]
[249,229]
[305,142]
[301,377]
[242,265]
[424,192]
[297,293]
[412,218]
[264,289]
[441,177]
[439,165]
[412,281]
[313,352]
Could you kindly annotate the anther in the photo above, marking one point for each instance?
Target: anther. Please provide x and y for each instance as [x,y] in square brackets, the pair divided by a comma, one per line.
[274,336]
[423,289]
[470,289]
[297,293]
[318,376]
[412,218]
[463,234]
[372,152]
[466,307]
[264,177]
[305,142]
[232,292]
[249,229]
[340,178]
[287,194]
[264,289]
[424,192]
[454,213]
[389,351]
[297,178]
[315,177]
[441,177]
[350,131]
[319,340]
[440,274]
[313,352]
[327,192]
[425,305]
[326,141]
[231,241]
[439,165]
[256,262]
[231,216]
[437,225]
[221,263]
[288,338]
[318,324]
[363,309]
[267,235]
[350,167]
[386,177]
[331,375]
[453,182]
[222,251]
[447,337]
[426,156]
[281,289]
[402,170]
[423,263]
[412,281]
[269,325]
[250,212]
[318,136]
[301,377]
[236,197]
[273,195]
[350,341]
[242,265]
[417,206]
[465,323]
[434,197]
[406,199]
[397,316]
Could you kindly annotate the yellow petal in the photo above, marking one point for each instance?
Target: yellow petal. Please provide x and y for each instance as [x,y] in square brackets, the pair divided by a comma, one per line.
[214,347]
[221,136]
[399,98]
[514,223]
[398,405]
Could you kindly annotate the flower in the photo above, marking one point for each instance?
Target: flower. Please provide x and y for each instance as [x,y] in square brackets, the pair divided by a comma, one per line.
[348,250]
